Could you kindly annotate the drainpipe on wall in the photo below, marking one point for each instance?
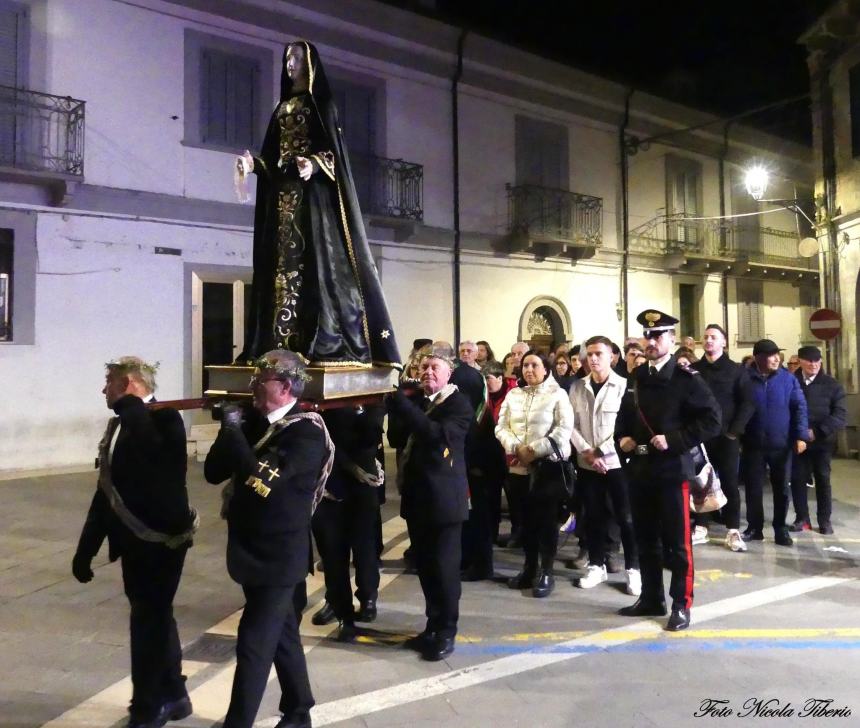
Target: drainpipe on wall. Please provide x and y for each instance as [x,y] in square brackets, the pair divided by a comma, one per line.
[625,210]
[455,140]
[724,282]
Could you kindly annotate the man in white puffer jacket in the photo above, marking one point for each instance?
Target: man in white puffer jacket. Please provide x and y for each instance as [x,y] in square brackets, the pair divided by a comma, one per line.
[530,416]
[596,401]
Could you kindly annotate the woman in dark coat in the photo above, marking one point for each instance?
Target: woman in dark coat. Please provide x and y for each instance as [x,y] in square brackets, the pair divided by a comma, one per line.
[315,289]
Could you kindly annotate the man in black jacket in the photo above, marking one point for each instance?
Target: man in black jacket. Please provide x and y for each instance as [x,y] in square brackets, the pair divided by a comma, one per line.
[431,429]
[141,506]
[666,410]
[825,402]
[278,463]
[731,387]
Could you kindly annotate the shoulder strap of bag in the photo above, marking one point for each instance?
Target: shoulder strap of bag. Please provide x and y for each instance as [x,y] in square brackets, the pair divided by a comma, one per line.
[639,409]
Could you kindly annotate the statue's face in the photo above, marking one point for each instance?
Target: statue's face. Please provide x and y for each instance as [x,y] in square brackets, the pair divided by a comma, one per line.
[296,62]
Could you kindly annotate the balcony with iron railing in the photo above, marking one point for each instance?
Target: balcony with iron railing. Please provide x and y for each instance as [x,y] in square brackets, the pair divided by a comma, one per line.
[41,135]
[554,221]
[391,189]
[689,243]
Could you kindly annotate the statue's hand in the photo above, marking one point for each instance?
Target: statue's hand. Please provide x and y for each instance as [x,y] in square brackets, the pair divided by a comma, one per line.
[306,167]
[245,164]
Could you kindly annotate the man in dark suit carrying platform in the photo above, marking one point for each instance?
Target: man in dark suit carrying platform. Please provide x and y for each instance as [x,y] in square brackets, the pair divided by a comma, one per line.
[431,429]
[141,507]
[278,463]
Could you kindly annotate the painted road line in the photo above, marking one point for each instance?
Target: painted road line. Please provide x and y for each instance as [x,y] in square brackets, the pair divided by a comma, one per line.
[212,698]
[109,706]
[423,688]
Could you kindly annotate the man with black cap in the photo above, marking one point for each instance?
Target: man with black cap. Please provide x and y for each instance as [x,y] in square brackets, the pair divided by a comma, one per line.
[731,387]
[666,410]
[778,426]
[825,401]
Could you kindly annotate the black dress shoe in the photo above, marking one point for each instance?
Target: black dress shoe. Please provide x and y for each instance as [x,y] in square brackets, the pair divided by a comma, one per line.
[523,580]
[438,649]
[420,641]
[346,632]
[295,721]
[800,526]
[678,620]
[753,534]
[367,613]
[825,528]
[781,537]
[171,710]
[642,608]
[544,585]
[515,541]
[325,615]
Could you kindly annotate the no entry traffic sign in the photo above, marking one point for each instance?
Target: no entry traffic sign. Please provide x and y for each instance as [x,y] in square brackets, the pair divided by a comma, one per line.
[825,324]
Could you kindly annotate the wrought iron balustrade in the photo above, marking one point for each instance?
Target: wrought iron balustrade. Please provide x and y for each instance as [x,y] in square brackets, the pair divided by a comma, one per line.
[41,132]
[544,213]
[389,187]
[766,245]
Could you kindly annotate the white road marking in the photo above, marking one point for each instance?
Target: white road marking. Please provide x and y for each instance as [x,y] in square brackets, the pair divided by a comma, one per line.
[421,689]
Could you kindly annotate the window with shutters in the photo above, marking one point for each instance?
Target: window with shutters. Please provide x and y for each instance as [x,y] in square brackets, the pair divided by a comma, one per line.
[854,105]
[18,262]
[750,295]
[14,26]
[6,278]
[356,107]
[683,199]
[228,92]
[541,154]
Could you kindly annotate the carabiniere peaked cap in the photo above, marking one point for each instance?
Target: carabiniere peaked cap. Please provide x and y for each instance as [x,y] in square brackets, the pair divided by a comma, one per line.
[654,320]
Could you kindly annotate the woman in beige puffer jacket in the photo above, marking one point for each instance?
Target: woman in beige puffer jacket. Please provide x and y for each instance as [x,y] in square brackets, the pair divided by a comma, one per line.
[530,416]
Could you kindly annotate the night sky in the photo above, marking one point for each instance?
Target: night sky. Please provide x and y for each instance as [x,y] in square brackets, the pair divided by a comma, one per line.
[723,56]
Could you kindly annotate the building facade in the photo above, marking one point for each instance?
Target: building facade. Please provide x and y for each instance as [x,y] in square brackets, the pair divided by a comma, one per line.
[563,205]
[833,47]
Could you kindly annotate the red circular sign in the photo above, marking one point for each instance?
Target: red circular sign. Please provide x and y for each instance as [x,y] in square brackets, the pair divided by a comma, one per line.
[825,324]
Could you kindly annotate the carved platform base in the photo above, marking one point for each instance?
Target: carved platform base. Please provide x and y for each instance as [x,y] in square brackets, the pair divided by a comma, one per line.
[325,384]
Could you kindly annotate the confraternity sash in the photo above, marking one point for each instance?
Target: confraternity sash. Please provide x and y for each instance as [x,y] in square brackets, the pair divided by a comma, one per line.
[129,520]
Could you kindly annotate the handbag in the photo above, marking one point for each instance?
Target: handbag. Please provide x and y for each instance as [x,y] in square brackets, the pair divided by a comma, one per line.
[547,470]
[706,492]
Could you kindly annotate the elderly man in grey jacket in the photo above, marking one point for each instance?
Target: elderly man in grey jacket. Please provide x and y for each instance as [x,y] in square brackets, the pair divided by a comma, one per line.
[596,401]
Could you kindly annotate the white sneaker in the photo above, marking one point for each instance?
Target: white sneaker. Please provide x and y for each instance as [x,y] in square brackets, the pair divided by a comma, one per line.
[735,541]
[634,582]
[700,535]
[594,575]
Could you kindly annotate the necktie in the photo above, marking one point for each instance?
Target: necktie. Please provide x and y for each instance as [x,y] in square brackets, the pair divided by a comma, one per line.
[652,371]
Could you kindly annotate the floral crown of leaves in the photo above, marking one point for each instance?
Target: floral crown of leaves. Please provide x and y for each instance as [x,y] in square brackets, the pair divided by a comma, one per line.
[293,372]
[133,363]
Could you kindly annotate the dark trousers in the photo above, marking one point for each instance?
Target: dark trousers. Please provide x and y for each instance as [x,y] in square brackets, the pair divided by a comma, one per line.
[437,555]
[269,632]
[724,454]
[341,528]
[150,575]
[477,531]
[596,489]
[661,520]
[756,461]
[516,490]
[540,528]
[814,462]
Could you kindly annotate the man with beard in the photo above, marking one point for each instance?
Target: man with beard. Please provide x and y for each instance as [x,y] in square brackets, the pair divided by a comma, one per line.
[666,410]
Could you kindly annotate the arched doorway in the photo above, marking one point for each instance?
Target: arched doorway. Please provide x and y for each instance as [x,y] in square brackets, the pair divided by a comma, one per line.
[545,323]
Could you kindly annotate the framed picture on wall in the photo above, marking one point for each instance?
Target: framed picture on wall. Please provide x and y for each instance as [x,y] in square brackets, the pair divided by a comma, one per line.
[5,330]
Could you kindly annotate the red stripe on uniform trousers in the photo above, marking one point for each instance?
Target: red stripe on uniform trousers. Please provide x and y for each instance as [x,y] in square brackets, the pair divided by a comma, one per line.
[688,545]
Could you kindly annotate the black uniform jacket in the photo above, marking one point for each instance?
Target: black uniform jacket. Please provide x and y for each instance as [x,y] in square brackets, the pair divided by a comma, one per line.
[730,383]
[269,514]
[148,471]
[676,403]
[825,404]
[434,477]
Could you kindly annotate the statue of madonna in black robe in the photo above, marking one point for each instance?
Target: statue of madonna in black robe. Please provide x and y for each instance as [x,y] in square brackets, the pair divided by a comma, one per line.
[316,290]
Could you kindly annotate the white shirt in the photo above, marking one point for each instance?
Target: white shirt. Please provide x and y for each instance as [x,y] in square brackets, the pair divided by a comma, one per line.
[147,398]
[273,417]
[660,363]
[809,380]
